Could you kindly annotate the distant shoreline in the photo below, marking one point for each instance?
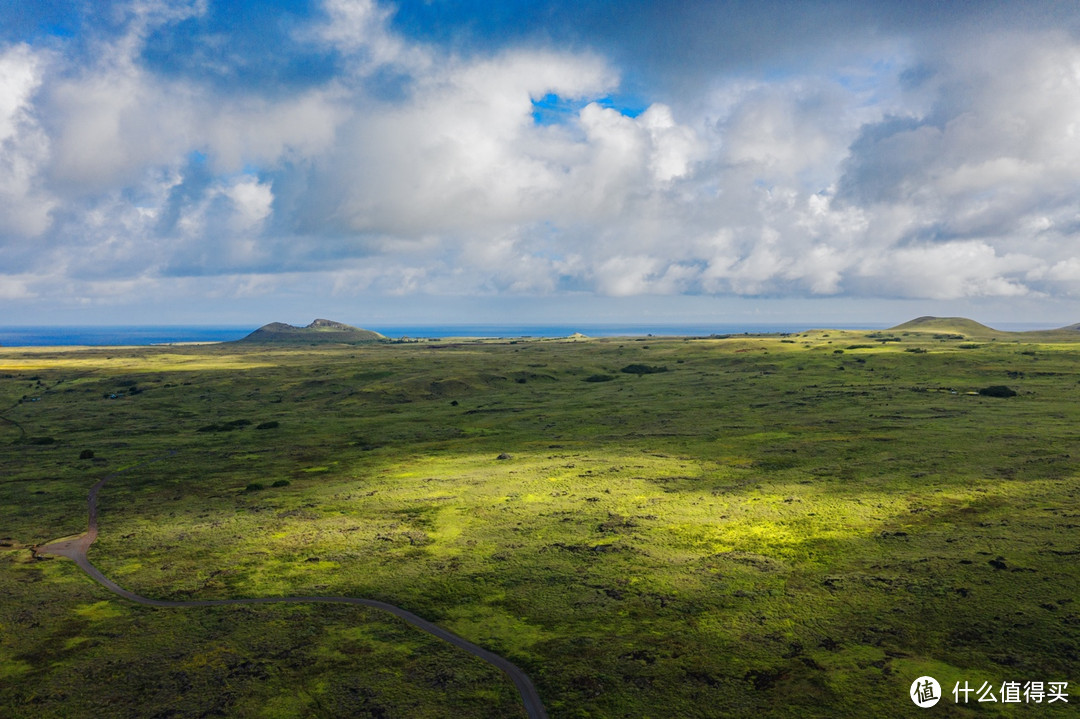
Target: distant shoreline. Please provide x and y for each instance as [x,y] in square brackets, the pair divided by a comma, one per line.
[144,335]
[161,335]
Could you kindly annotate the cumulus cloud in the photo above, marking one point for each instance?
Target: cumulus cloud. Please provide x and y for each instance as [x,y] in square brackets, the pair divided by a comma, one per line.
[898,169]
[25,201]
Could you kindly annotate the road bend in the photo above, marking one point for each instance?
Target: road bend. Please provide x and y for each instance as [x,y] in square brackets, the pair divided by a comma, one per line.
[76,547]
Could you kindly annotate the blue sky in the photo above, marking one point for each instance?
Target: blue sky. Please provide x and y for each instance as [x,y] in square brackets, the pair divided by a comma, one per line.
[186,161]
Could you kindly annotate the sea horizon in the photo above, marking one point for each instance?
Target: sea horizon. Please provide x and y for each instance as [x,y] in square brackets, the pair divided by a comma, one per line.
[147,335]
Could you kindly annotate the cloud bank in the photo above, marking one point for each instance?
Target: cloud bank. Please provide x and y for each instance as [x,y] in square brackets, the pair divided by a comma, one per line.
[369,160]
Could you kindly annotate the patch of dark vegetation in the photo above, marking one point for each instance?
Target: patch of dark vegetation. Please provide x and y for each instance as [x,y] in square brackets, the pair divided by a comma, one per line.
[772,464]
[273,424]
[599,378]
[254,487]
[503,456]
[969,346]
[915,350]
[947,336]
[225,426]
[859,347]
[41,440]
[86,454]
[998,390]
[763,679]
[640,369]
[280,483]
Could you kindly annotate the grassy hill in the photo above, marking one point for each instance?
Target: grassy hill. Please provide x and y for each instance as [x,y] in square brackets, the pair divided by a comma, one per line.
[970,329]
[320,331]
[948,325]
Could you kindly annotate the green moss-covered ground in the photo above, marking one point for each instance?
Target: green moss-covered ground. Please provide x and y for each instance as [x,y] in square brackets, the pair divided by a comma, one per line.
[779,526]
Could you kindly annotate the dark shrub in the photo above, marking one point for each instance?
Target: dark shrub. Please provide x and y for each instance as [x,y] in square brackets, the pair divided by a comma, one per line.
[86,454]
[267,425]
[254,487]
[643,369]
[998,390]
[42,440]
[599,378]
[225,426]
[280,483]
[916,350]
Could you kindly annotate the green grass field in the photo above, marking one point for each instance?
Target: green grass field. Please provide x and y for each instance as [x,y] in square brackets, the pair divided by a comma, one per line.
[774,526]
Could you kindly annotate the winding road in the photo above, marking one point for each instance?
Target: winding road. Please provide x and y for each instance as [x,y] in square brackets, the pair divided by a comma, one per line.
[76,547]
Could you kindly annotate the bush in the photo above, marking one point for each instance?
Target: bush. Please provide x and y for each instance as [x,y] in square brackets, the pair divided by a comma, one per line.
[86,454]
[225,426]
[254,487]
[916,350]
[599,378]
[643,369]
[267,425]
[42,440]
[280,483]
[998,390]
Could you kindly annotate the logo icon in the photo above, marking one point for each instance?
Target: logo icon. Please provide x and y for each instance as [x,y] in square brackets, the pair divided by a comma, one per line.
[925,692]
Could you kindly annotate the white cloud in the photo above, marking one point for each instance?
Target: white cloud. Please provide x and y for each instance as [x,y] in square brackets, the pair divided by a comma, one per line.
[25,202]
[865,181]
[16,287]
[948,271]
[360,29]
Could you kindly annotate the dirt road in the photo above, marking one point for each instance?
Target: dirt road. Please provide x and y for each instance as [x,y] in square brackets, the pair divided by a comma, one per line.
[76,547]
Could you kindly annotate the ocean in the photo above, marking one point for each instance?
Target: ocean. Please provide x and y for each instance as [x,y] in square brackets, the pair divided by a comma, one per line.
[141,335]
[164,334]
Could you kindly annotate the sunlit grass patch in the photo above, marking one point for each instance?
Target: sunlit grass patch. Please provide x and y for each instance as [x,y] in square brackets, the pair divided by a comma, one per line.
[99,610]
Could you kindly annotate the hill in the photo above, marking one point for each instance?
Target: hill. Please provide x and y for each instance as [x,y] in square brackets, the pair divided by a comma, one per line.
[970,329]
[949,325]
[321,331]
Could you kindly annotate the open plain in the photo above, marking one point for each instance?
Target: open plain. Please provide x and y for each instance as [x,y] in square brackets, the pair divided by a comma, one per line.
[780,526]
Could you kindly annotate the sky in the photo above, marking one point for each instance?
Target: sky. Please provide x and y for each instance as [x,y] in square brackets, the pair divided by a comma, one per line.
[457,161]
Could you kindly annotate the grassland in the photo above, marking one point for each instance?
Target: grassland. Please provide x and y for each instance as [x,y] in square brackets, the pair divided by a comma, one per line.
[773,526]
